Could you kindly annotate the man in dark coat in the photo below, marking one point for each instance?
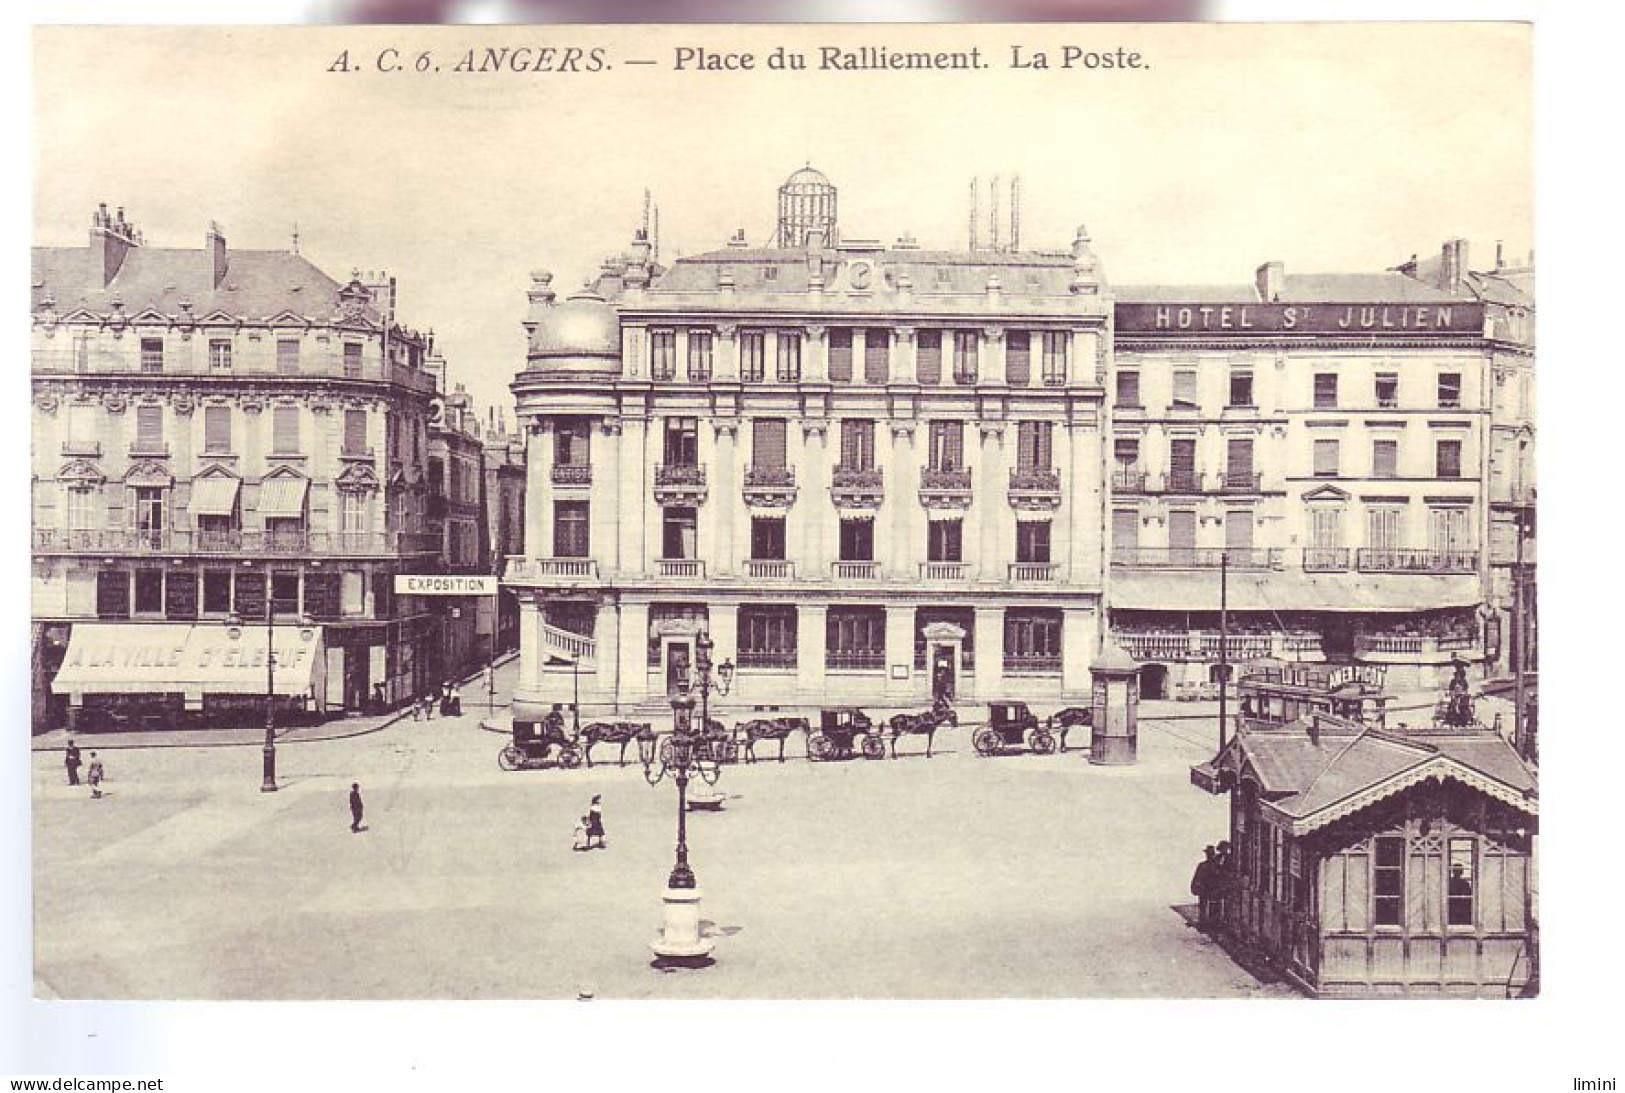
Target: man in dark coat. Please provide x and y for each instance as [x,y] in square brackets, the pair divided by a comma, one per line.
[1203,883]
[72,762]
[355,806]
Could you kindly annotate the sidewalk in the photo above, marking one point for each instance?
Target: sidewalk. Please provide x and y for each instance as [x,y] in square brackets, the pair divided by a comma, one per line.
[340,728]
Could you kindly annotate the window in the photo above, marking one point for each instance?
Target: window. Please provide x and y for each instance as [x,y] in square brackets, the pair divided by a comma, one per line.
[1447,459]
[858,539]
[1182,529]
[840,355]
[679,531]
[322,595]
[1125,530]
[83,426]
[770,273]
[752,355]
[1238,529]
[217,429]
[1035,445]
[1326,528]
[152,354]
[767,444]
[1449,390]
[287,355]
[81,352]
[219,355]
[1388,881]
[1387,390]
[570,529]
[1459,893]
[699,355]
[663,354]
[1238,467]
[1055,353]
[1126,452]
[946,450]
[682,442]
[767,538]
[858,444]
[945,542]
[1018,358]
[149,428]
[1184,390]
[876,355]
[1385,528]
[572,443]
[945,277]
[352,360]
[928,356]
[1032,640]
[149,591]
[789,357]
[1384,458]
[767,636]
[112,594]
[1182,465]
[1032,541]
[1241,387]
[285,592]
[285,430]
[81,509]
[217,591]
[855,638]
[1448,532]
[150,509]
[353,513]
[1326,390]
[1326,458]
[966,343]
[1128,389]
[355,432]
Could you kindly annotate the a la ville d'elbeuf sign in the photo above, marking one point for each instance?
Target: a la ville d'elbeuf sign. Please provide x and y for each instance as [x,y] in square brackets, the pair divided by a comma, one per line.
[1452,319]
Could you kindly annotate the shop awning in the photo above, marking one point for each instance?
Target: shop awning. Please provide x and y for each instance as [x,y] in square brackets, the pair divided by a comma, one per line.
[1184,590]
[214,496]
[283,498]
[131,658]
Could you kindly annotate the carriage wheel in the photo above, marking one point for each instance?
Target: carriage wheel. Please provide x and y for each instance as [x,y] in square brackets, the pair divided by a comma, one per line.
[819,747]
[569,758]
[986,741]
[874,747]
[1043,742]
[510,758]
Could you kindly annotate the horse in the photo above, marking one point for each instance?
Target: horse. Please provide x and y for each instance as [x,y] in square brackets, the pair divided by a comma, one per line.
[777,728]
[1069,718]
[916,724]
[616,732]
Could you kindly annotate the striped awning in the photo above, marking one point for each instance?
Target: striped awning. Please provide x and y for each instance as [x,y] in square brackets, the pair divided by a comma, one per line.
[283,498]
[214,496]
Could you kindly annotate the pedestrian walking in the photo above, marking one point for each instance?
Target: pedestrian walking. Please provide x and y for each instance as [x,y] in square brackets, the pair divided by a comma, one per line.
[1223,882]
[581,842]
[1202,887]
[595,824]
[428,705]
[454,698]
[96,774]
[355,806]
[72,762]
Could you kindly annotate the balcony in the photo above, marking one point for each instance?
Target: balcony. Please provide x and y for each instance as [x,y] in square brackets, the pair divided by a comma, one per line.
[770,487]
[550,570]
[770,569]
[574,474]
[1018,664]
[83,449]
[1128,479]
[1035,488]
[681,568]
[945,487]
[944,571]
[857,487]
[149,449]
[1033,572]
[1182,482]
[1416,561]
[1421,647]
[855,571]
[1196,557]
[1241,482]
[1203,645]
[1325,559]
[222,541]
[679,483]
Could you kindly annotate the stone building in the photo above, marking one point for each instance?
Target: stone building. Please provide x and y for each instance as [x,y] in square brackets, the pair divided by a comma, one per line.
[220,433]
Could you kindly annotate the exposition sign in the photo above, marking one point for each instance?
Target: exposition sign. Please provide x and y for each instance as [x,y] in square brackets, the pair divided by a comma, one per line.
[444,584]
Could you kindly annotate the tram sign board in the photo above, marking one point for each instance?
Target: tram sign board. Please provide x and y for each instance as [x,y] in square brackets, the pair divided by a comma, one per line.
[444,584]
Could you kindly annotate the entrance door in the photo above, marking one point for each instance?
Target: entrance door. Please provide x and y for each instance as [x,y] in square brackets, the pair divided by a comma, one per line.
[355,677]
[942,673]
[1153,681]
[677,658]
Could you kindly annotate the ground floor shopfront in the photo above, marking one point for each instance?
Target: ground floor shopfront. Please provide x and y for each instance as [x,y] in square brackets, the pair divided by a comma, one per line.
[619,651]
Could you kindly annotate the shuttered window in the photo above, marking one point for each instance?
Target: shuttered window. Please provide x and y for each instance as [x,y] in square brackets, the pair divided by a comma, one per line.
[1033,541]
[1238,529]
[1326,458]
[1384,458]
[287,355]
[752,355]
[858,444]
[1384,528]
[1182,529]
[355,432]
[1239,462]
[217,428]
[1128,389]
[285,430]
[1448,459]
[1182,464]
[352,360]
[1447,530]
[966,345]
[1325,528]
[1326,390]
[663,354]
[1056,343]
[789,367]
[1125,529]
[149,427]
[947,446]
[1035,445]
[928,361]
[699,355]
[570,525]
[768,443]
[1184,389]
[876,355]
[1018,358]
[83,426]
[840,355]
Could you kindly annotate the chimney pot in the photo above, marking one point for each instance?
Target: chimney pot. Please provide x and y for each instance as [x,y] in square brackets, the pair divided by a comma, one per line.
[1270,281]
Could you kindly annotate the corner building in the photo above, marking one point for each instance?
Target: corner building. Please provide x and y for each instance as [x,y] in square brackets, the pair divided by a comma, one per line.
[868,471]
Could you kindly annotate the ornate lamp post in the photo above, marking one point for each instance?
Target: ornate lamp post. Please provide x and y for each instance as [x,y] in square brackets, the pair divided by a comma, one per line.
[235,629]
[687,752]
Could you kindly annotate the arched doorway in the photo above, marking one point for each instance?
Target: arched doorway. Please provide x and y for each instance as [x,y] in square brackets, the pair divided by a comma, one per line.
[1153,681]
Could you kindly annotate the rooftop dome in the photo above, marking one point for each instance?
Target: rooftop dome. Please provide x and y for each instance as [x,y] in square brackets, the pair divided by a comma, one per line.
[807,176]
[582,332]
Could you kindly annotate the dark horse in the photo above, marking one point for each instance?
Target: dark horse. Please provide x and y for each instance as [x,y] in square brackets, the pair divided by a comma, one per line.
[614,732]
[1067,719]
[915,724]
[773,728]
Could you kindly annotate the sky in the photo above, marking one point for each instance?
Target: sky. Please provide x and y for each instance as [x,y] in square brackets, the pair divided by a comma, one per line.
[1334,147]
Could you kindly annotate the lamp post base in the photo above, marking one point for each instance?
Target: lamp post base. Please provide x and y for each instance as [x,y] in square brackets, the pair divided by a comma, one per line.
[268,766]
[680,928]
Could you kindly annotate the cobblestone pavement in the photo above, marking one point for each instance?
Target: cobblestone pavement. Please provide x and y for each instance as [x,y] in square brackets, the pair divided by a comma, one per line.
[957,876]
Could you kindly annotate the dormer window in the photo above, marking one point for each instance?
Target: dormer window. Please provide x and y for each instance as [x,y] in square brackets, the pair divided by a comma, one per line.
[770,273]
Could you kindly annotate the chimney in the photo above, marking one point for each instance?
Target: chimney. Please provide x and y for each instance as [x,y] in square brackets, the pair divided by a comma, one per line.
[1453,266]
[214,241]
[975,184]
[1015,213]
[111,238]
[993,214]
[1500,259]
[1270,279]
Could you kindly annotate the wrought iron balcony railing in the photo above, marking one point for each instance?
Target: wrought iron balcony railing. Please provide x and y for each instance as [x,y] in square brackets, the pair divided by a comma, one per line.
[1196,557]
[1416,561]
[572,474]
[1043,480]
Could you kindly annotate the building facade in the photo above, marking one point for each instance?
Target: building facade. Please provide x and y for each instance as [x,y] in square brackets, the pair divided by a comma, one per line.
[867,471]
[457,514]
[220,434]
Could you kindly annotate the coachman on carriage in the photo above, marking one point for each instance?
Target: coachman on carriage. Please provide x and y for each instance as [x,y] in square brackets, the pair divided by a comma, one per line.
[1013,727]
[539,746]
[844,732]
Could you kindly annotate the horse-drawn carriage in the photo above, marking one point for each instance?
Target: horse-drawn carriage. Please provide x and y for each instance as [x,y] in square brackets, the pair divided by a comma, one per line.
[845,732]
[538,746]
[923,724]
[1013,727]
[747,734]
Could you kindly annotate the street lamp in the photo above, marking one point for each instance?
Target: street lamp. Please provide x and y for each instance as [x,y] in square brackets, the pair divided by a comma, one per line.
[235,629]
[687,752]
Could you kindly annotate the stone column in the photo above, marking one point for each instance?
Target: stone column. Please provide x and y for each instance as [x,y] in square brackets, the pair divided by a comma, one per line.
[725,350]
[899,651]
[810,622]
[905,356]
[903,500]
[813,512]
[723,498]
[606,669]
[991,505]
[815,354]
[539,489]
[1082,514]
[632,639]
[991,365]
[989,654]
[608,504]
[532,654]
[634,495]
[1080,639]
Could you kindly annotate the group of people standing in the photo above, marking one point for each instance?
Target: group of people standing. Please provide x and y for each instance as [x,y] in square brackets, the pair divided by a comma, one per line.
[448,699]
[1213,884]
[93,776]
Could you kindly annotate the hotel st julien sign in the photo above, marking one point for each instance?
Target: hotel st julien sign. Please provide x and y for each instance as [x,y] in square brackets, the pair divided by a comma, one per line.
[1393,320]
